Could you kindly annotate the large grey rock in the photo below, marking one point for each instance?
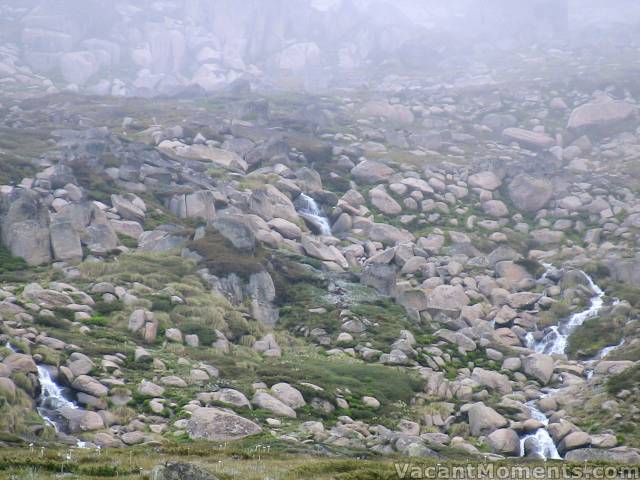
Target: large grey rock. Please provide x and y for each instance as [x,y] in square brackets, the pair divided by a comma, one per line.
[288,395]
[199,204]
[448,298]
[603,113]
[388,234]
[328,253]
[267,402]
[619,455]
[65,242]
[370,171]
[492,380]
[396,114]
[89,385]
[24,224]
[539,366]
[238,229]
[485,420]
[530,194]
[485,180]
[81,420]
[204,153]
[78,67]
[180,471]
[529,138]
[269,203]
[228,396]
[218,425]
[383,201]
[262,293]
[380,276]
[129,206]
[504,441]
[574,441]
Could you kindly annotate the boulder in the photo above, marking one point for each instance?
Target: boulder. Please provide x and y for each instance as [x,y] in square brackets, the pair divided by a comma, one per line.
[265,401]
[19,362]
[228,396]
[602,113]
[89,385]
[328,253]
[504,441]
[485,180]
[384,202]
[574,441]
[448,298]
[288,395]
[180,471]
[529,194]
[238,229]
[204,153]
[619,455]
[396,114]
[492,380]
[268,202]
[457,338]
[199,204]
[129,206]
[65,242]
[24,225]
[218,425]
[380,276]
[262,293]
[81,420]
[78,67]
[539,366]
[371,172]
[485,420]
[388,234]
[528,138]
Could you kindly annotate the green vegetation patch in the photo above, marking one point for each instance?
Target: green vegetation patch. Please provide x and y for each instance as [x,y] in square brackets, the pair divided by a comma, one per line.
[594,335]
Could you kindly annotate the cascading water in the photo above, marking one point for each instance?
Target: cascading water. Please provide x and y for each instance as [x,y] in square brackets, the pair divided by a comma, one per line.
[51,399]
[544,446]
[308,209]
[555,342]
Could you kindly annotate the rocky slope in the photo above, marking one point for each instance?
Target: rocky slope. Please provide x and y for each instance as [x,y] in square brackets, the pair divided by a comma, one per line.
[364,271]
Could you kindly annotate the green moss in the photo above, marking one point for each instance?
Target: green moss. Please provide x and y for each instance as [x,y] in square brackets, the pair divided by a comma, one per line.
[626,380]
[594,335]
[9,263]
[222,258]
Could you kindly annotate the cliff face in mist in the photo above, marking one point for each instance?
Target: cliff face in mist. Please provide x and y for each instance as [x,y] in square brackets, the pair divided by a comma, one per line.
[148,47]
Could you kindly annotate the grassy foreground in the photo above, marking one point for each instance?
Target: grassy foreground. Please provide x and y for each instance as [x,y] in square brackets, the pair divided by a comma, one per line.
[225,462]
[240,461]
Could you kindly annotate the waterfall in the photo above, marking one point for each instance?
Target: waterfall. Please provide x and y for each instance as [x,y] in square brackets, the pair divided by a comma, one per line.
[555,342]
[51,398]
[309,210]
[545,447]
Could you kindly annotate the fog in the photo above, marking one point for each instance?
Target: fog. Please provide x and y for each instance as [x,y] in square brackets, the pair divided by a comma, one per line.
[146,47]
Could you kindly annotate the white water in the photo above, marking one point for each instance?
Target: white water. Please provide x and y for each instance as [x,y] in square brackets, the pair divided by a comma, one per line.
[51,398]
[607,350]
[555,341]
[545,447]
[308,207]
